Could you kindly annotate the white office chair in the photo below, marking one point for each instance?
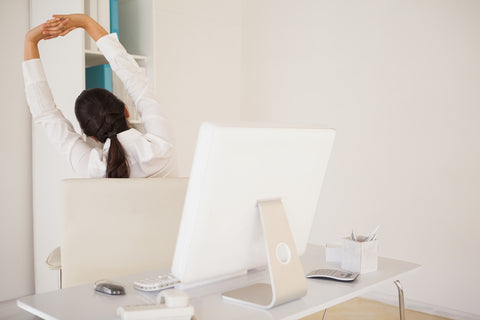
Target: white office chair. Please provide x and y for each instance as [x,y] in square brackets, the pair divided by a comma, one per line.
[114,227]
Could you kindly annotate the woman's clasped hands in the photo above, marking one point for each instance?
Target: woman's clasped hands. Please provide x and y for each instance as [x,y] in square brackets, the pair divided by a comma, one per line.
[58,26]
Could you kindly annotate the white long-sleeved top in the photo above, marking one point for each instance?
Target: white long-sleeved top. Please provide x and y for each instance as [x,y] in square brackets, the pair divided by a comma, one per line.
[149,154]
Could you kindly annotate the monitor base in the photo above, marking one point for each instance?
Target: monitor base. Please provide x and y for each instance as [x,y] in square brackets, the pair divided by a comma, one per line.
[285,269]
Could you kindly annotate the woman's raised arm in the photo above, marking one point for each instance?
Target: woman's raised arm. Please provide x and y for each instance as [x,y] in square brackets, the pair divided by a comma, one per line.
[48,30]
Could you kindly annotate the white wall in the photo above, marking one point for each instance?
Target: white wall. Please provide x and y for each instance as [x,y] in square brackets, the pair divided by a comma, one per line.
[198,61]
[399,80]
[16,240]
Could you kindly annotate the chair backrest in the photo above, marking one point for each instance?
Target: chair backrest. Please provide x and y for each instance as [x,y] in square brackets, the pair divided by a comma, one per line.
[114,227]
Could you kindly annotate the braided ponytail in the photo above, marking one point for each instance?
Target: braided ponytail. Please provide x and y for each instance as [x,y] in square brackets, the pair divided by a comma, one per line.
[117,164]
[101,115]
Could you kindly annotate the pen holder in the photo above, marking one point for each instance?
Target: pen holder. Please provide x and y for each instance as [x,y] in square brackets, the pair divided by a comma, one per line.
[333,252]
[360,256]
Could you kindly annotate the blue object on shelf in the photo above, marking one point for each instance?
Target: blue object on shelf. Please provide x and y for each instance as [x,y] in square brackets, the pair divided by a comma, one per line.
[114,23]
[99,77]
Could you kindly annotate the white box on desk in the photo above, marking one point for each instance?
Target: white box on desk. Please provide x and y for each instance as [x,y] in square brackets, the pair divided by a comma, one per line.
[360,256]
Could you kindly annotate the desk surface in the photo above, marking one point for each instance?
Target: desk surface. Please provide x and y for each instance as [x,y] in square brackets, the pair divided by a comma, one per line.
[82,302]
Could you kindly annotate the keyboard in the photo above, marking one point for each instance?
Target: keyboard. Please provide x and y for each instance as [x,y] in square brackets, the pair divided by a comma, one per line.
[340,275]
[157,283]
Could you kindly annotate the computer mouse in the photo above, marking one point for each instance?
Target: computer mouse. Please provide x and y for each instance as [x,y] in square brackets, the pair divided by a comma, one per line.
[110,288]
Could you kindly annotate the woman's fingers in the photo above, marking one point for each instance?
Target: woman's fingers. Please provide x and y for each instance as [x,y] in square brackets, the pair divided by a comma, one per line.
[67,31]
[57,28]
[56,25]
[53,22]
[59,16]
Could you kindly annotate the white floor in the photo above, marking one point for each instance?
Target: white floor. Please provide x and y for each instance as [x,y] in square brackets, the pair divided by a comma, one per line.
[10,311]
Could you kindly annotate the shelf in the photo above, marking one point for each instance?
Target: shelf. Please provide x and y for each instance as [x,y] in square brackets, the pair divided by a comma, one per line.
[136,36]
[94,58]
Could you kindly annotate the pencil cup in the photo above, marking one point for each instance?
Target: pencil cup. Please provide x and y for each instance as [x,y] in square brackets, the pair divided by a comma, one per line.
[333,252]
[360,256]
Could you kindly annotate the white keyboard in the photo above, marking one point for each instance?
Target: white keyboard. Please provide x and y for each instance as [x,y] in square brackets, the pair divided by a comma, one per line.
[157,283]
[340,275]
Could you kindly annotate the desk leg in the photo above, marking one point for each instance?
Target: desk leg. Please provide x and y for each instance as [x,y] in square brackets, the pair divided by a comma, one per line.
[401,302]
[324,314]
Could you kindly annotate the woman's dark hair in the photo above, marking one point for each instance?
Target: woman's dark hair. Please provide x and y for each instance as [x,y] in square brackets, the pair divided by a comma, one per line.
[101,115]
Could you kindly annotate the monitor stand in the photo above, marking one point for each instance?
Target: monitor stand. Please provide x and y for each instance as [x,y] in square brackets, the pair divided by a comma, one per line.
[286,273]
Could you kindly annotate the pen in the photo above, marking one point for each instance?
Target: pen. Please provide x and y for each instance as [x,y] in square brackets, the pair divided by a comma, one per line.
[373,234]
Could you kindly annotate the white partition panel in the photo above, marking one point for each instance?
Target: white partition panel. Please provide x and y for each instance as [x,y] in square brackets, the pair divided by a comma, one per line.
[63,60]
[16,249]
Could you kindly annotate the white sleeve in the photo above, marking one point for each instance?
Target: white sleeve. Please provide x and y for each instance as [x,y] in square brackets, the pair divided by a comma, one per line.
[138,87]
[60,131]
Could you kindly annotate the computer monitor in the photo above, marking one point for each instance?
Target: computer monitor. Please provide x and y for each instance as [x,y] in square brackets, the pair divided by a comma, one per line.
[234,167]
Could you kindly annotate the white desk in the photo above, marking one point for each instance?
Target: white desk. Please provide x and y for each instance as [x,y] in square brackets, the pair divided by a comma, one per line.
[80,303]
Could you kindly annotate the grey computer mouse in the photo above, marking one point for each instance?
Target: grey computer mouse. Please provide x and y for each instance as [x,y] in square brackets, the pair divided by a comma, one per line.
[110,288]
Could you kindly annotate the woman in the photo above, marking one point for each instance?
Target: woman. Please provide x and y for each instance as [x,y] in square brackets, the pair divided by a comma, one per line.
[126,152]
